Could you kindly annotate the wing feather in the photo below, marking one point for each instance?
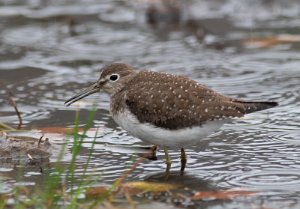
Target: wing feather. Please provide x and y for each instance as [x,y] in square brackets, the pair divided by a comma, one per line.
[175,102]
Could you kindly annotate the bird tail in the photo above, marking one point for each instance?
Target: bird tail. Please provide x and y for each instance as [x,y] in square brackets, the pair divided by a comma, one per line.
[256,106]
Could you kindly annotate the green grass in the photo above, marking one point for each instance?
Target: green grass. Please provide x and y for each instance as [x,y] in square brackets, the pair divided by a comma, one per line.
[61,188]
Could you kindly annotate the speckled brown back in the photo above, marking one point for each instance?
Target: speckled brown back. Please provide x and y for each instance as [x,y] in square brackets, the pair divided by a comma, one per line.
[174,102]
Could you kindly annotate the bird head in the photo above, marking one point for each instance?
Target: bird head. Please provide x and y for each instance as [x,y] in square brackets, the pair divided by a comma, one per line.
[112,79]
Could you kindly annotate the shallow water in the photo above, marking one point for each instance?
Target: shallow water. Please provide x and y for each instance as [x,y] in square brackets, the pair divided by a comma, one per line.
[50,50]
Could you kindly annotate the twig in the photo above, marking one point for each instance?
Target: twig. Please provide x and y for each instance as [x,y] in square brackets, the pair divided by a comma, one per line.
[40,140]
[132,168]
[10,97]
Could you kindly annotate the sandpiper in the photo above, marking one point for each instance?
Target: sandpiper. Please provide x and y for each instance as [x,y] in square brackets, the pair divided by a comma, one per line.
[166,110]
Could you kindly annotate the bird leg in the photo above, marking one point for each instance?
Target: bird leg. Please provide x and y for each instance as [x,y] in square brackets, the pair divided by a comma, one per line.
[183,161]
[168,162]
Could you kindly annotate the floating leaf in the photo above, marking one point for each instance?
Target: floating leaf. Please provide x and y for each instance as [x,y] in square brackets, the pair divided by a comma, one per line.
[221,195]
[143,186]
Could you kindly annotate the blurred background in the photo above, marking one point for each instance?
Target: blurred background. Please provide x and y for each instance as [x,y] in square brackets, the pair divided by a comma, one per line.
[248,49]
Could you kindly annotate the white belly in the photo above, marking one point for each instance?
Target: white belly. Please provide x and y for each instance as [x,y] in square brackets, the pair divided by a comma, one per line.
[181,138]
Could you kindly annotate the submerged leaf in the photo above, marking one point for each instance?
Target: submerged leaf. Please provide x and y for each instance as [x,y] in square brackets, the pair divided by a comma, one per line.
[143,186]
[271,41]
[100,191]
[59,130]
[221,195]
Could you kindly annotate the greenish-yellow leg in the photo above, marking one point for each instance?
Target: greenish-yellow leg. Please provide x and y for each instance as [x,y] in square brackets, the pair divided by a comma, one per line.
[168,162]
[183,161]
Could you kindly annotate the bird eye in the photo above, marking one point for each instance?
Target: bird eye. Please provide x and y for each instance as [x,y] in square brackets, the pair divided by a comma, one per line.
[114,77]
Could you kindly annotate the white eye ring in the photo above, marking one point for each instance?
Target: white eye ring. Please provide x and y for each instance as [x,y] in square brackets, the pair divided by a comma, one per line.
[114,77]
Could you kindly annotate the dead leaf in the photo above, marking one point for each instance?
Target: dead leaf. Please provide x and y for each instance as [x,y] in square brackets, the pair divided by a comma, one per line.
[271,41]
[143,186]
[221,195]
